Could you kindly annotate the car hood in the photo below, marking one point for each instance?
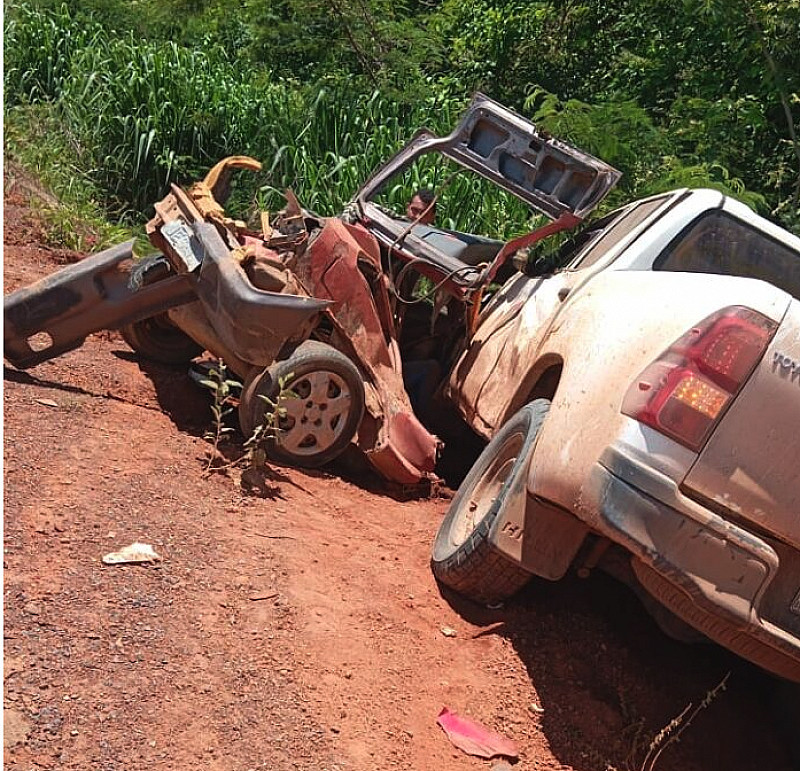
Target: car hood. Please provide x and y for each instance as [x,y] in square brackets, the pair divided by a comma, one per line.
[549,175]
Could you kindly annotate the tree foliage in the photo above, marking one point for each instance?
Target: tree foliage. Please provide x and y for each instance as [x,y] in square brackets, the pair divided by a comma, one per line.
[719,80]
[700,92]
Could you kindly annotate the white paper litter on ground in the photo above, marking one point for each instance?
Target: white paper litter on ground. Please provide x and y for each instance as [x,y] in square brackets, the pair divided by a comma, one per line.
[136,552]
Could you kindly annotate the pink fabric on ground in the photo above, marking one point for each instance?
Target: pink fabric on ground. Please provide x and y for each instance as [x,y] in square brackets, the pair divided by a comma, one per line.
[473,738]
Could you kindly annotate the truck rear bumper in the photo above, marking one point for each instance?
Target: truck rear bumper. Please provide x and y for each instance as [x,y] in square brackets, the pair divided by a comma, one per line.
[709,572]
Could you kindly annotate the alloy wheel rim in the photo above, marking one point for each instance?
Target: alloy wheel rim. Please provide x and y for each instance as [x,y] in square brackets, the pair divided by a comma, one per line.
[314,418]
[483,495]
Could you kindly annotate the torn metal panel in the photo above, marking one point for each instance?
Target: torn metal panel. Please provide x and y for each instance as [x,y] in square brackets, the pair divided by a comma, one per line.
[254,324]
[549,175]
[57,313]
[342,263]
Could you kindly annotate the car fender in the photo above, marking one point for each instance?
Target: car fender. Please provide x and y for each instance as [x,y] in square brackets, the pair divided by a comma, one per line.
[537,535]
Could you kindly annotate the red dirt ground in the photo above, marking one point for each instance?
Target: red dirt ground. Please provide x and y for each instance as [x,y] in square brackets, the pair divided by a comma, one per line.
[301,629]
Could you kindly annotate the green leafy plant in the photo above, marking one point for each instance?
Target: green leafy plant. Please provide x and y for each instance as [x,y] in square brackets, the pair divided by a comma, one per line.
[226,391]
[270,426]
[146,113]
[43,159]
[223,389]
[702,92]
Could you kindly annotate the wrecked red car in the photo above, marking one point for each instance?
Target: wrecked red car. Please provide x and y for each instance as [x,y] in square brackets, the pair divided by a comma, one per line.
[361,316]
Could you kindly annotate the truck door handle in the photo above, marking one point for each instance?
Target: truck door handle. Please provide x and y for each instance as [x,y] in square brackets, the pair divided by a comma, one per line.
[562,293]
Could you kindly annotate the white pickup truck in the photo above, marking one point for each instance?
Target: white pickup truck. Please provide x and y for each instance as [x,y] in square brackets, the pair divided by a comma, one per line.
[643,406]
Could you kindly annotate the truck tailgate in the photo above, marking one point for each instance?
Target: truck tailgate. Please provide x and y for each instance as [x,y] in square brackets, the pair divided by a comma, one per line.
[750,466]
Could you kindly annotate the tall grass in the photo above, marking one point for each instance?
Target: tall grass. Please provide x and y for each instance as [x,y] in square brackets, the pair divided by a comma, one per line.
[145,114]
[38,50]
[71,217]
[151,114]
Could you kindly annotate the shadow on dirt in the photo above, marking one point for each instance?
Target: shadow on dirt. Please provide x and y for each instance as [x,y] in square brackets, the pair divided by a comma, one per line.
[177,396]
[186,404]
[608,680]
[25,378]
[353,467]
[263,482]
[174,405]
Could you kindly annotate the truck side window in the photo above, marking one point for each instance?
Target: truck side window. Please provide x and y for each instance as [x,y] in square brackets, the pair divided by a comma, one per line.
[717,242]
[615,232]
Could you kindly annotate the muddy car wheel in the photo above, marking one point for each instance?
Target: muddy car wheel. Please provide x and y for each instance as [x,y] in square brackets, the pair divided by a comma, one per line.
[463,557]
[157,338]
[317,422]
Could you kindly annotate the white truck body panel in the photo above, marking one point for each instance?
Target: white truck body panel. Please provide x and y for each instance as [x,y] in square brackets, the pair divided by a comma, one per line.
[712,533]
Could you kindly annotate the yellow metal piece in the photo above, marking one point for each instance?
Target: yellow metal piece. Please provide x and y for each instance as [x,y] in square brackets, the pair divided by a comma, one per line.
[205,201]
[244,255]
[266,228]
[211,193]
[218,171]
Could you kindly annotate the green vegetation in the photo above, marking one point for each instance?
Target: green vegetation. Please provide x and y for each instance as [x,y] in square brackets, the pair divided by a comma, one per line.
[133,96]
[72,216]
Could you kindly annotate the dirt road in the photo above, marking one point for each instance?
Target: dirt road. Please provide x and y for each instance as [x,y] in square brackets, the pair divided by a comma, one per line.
[300,628]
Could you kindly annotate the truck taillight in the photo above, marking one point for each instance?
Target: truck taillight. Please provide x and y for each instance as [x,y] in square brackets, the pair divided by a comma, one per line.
[685,391]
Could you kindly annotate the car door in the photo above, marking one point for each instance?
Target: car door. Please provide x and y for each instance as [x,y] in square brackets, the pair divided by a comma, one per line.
[550,176]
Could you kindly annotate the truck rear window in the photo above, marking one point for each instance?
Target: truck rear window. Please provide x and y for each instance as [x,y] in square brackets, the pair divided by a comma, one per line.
[720,243]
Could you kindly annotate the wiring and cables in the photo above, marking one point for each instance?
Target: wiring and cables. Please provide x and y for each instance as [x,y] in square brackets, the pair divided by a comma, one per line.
[398,281]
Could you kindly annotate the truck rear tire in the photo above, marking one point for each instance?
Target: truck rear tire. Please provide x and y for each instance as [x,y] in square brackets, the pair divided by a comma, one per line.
[463,557]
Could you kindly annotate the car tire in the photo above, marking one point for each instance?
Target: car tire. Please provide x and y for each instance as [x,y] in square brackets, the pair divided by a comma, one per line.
[317,423]
[156,337]
[463,557]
